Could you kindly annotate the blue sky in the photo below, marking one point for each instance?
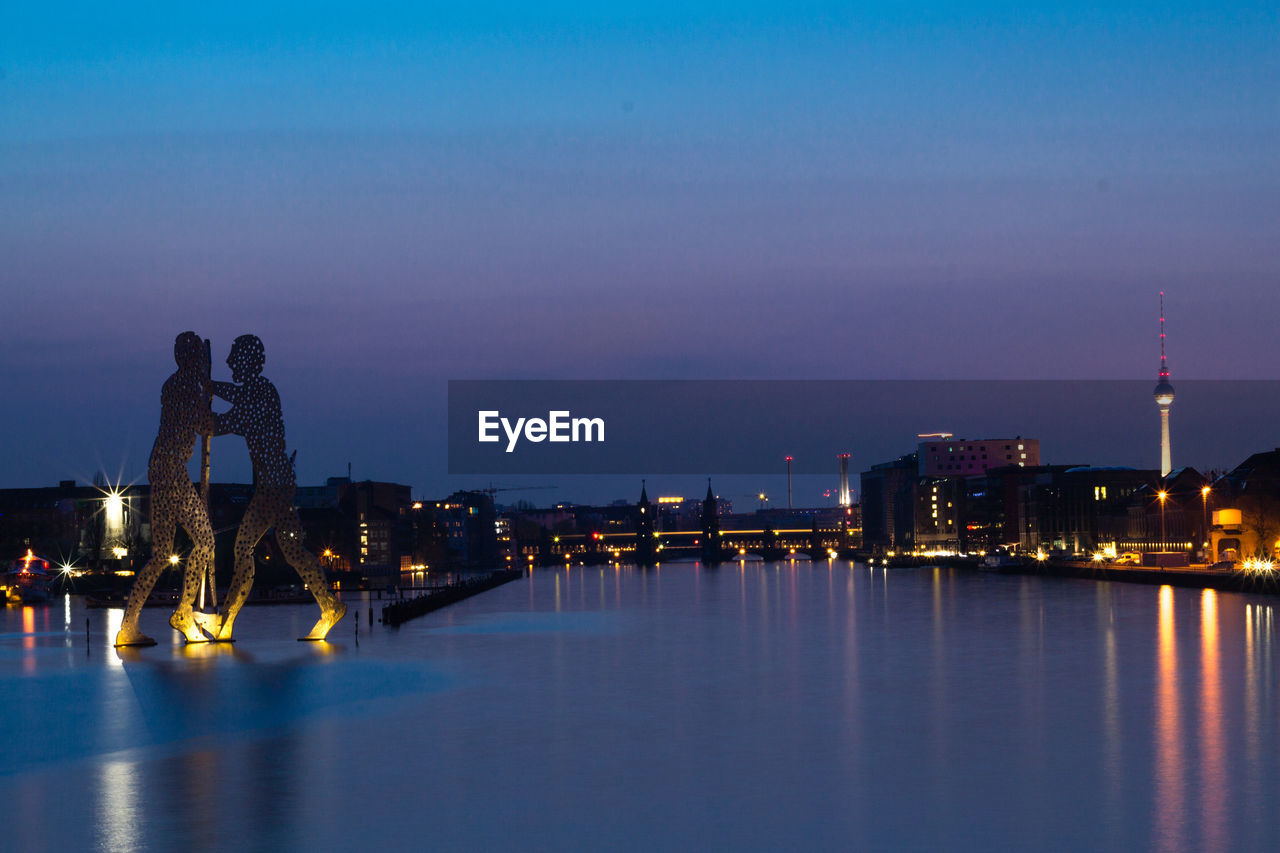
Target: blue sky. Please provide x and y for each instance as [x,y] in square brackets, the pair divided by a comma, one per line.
[393,195]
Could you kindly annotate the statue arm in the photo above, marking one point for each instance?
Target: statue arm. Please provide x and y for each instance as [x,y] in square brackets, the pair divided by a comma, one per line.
[227,422]
[224,390]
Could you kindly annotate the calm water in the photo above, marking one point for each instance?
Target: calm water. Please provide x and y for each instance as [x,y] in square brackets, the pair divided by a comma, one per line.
[777,706]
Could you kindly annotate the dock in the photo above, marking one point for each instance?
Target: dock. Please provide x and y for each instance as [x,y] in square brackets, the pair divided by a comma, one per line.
[402,611]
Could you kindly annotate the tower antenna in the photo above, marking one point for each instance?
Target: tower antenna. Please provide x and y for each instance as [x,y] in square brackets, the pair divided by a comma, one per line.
[1162,329]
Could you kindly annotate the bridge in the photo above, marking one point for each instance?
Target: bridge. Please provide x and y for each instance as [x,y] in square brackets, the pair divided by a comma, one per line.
[603,548]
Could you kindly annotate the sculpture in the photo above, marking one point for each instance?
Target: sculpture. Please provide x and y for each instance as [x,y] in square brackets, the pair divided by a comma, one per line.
[255,415]
[184,414]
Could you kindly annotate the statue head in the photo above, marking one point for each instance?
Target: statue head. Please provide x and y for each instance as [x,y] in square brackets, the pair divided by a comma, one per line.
[246,358]
[189,352]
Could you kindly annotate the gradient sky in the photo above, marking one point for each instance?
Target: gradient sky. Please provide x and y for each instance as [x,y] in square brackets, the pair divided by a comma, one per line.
[393,195]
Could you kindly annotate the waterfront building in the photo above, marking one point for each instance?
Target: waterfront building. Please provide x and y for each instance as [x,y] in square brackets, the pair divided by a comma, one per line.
[1243,507]
[941,455]
[888,501]
[1081,509]
[471,528]
[1164,515]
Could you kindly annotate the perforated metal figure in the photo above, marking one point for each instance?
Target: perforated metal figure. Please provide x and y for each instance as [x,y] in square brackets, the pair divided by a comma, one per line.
[184,415]
[255,415]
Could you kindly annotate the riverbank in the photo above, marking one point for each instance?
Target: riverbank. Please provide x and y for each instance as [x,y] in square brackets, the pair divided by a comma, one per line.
[1266,583]
[1198,578]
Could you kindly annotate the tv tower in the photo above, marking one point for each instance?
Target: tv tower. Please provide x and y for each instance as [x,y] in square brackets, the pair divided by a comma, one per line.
[844,479]
[1164,399]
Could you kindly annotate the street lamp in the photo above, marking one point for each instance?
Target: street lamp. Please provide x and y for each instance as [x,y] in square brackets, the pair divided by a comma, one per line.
[1163,495]
[1204,499]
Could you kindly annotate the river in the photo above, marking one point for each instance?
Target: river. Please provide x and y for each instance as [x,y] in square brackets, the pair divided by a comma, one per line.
[751,706]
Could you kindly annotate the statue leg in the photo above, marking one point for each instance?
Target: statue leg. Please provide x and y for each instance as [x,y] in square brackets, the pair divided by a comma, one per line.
[289,538]
[195,520]
[256,522]
[162,527]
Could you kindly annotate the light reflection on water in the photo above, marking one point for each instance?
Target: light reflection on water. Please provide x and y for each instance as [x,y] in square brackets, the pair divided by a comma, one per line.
[118,806]
[750,706]
[1171,772]
[1213,771]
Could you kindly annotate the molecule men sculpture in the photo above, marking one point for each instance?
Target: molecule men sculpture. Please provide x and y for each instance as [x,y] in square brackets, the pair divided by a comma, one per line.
[254,415]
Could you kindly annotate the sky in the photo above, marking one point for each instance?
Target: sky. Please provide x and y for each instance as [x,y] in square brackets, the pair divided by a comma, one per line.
[396,195]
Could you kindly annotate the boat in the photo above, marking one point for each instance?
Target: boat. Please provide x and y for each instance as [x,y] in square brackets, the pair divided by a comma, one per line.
[999,562]
[27,580]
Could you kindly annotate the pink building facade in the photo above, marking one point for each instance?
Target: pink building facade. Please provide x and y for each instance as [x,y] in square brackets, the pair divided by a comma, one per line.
[959,457]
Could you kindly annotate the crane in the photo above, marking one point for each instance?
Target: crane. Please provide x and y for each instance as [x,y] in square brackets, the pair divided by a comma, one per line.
[493,490]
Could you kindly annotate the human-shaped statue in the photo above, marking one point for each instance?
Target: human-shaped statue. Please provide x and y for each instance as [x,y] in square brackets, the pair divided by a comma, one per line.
[255,415]
[184,414]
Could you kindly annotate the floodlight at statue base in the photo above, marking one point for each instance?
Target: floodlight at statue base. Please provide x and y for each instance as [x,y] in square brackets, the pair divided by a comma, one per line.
[189,627]
[326,623]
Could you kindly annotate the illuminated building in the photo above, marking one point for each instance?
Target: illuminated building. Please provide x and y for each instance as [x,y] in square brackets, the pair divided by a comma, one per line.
[1245,510]
[888,498]
[940,455]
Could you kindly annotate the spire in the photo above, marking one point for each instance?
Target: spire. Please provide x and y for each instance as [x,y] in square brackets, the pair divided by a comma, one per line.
[1164,390]
[1164,365]
[711,496]
[1164,368]
[644,495]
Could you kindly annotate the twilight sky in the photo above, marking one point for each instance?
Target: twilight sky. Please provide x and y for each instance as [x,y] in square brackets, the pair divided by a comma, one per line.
[393,195]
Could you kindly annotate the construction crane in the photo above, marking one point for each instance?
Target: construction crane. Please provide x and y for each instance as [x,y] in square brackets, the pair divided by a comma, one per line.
[493,490]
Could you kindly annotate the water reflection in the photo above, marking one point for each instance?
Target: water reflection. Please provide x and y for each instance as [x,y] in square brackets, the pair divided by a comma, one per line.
[28,639]
[1112,732]
[118,806]
[1170,772]
[964,711]
[1213,774]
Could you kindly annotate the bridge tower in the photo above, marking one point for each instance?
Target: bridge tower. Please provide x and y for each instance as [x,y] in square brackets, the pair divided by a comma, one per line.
[646,538]
[711,550]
